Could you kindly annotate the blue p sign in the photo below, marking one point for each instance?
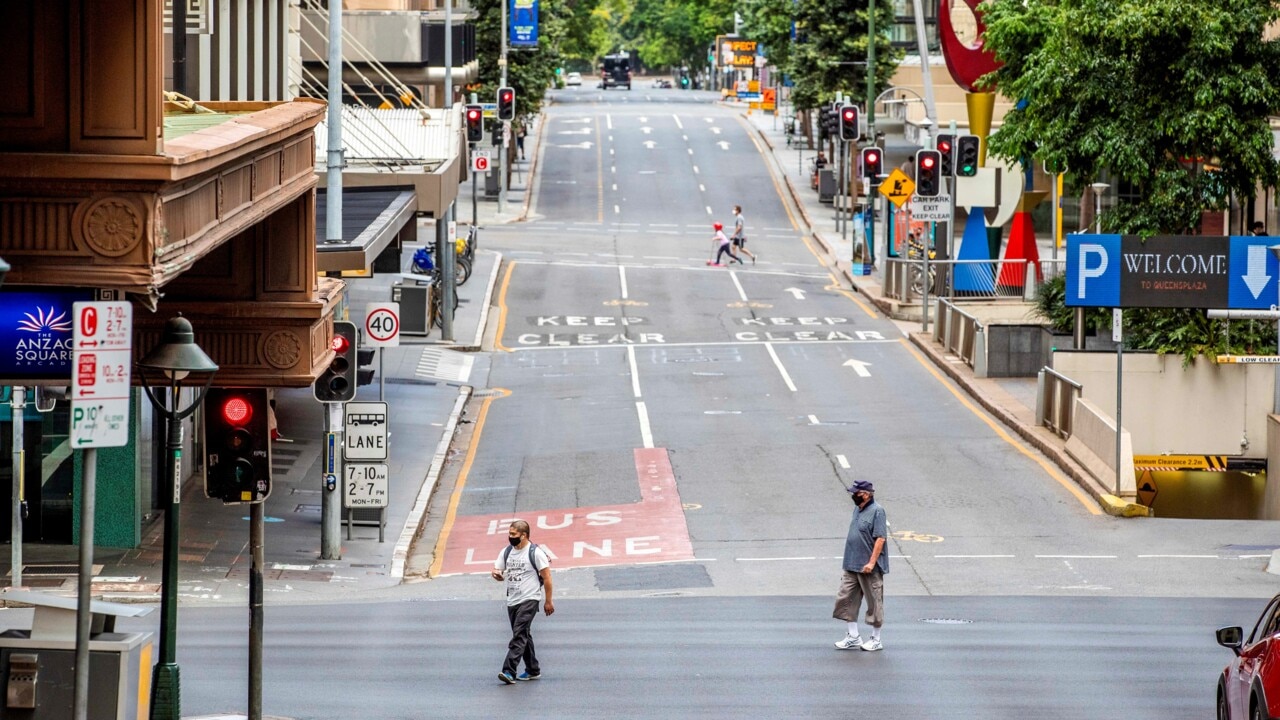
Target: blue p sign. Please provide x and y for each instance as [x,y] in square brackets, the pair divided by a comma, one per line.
[1093,271]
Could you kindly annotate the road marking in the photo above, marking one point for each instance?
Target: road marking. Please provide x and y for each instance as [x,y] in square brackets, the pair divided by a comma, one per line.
[452,514]
[686,138]
[608,120]
[719,412]
[708,209]
[796,293]
[502,308]
[645,433]
[778,362]
[1077,557]
[599,176]
[575,254]
[616,210]
[973,556]
[1204,557]
[695,170]
[622,278]
[702,187]
[859,366]
[615,189]
[614,170]
[690,151]
[1053,472]
[635,373]
[844,461]
[813,419]
[610,151]
[678,123]
[768,559]
[736,283]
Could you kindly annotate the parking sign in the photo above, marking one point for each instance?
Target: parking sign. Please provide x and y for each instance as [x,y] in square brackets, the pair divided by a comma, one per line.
[101,366]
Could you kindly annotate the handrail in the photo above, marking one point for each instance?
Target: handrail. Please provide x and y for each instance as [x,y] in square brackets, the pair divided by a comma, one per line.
[1057,401]
[957,330]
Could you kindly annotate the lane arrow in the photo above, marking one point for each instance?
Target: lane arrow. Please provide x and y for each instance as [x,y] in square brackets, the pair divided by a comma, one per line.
[859,367]
[723,145]
[1256,277]
[644,119]
[583,131]
[646,130]
[649,144]
[715,130]
[796,293]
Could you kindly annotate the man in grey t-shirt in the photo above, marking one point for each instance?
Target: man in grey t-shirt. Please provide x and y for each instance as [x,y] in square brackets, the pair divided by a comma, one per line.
[527,571]
[740,233]
[865,563]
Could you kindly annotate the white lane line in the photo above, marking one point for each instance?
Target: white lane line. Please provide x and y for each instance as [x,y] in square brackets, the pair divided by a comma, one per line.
[702,187]
[690,151]
[844,461]
[678,123]
[1077,557]
[608,120]
[767,559]
[813,419]
[575,254]
[974,556]
[645,433]
[635,373]
[610,151]
[664,225]
[1205,557]
[610,138]
[660,257]
[613,169]
[615,189]
[719,412]
[778,361]
[737,283]
[616,209]
[686,138]
[708,209]
[622,277]
[1252,557]
[695,169]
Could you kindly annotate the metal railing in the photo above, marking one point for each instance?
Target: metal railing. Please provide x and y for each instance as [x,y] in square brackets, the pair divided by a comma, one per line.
[968,278]
[1056,396]
[957,331]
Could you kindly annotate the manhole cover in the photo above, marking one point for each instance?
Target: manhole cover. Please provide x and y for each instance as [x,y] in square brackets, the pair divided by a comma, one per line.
[946,621]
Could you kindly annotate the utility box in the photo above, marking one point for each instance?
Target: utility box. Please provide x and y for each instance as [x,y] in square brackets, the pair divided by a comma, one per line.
[413,292]
[827,185]
[491,177]
[37,666]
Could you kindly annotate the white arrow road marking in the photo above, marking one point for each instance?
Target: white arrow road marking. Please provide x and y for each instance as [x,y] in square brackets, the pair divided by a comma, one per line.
[649,144]
[572,121]
[796,293]
[646,130]
[584,145]
[1256,276]
[723,145]
[859,367]
[715,130]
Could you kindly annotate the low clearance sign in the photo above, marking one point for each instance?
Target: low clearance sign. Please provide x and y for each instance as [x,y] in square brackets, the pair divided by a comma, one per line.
[1181,271]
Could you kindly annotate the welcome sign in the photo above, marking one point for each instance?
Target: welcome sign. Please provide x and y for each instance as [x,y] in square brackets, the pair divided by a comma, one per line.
[35,334]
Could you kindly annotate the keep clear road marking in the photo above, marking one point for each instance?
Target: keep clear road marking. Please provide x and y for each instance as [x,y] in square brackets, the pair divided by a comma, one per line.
[796,293]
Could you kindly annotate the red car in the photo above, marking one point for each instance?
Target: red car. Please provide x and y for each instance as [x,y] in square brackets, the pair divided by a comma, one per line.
[1250,684]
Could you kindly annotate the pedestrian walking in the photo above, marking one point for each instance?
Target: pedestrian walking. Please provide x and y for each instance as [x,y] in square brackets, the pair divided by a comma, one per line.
[739,233]
[527,570]
[865,565]
[1258,228]
[721,245]
[520,135]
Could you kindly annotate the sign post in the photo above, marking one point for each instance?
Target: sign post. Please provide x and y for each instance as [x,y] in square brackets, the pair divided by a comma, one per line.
[101,365]
[1117,335]
[364,482]
[381,330]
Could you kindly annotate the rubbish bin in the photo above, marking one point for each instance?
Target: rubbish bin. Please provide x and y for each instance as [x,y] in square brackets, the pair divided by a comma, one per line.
[413,293]
[826,185]
[38,665]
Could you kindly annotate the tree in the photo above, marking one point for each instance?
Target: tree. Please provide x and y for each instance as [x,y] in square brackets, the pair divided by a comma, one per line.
[1147,90]
[769,23]
[676,32]
[831,38]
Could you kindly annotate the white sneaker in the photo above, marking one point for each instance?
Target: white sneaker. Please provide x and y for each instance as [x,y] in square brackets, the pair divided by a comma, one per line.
[849,642]
[872,645]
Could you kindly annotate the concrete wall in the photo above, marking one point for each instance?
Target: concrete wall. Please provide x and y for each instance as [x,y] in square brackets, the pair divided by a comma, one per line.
[1205,408]
[1271,496]
[1093,445]
[1015,350]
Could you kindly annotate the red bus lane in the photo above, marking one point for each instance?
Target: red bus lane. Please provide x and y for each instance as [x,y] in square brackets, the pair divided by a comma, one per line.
[652,530]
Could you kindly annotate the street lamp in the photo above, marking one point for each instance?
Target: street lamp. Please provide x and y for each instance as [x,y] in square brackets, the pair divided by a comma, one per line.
[1098,189]
[176,357]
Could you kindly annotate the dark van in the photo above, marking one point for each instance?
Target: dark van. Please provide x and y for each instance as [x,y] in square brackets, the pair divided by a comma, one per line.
[615,71]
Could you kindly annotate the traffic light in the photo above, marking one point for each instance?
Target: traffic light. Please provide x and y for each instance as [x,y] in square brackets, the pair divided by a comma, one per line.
[475,123]
[338,381]
[828,123]
[237,445]
[684,81]
[967,155]
[946,150]
[928,165]
[364,369]
[849,124]
[872,162]
[506,104]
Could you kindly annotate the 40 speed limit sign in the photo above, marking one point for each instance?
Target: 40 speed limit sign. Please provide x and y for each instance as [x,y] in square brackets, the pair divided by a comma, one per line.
[382,324]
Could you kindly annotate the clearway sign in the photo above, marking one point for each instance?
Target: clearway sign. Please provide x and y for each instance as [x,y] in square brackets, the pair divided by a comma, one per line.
[101,364]
[1219,272]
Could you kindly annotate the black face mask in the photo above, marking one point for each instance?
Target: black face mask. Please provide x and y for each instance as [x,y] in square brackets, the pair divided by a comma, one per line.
[515,541]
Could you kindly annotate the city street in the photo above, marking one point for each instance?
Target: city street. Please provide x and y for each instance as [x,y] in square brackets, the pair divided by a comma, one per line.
[680,436]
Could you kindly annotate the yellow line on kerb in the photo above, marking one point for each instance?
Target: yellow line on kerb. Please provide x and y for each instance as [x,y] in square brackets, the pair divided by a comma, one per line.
[773,177]
[502,308]
[452,514]
[1071,487]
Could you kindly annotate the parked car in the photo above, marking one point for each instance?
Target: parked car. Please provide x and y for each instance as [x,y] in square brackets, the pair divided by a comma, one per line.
[573,78]
[1250,685]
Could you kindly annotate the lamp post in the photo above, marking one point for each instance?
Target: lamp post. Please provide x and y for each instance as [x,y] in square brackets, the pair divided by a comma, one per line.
[176,357]
[1275,401]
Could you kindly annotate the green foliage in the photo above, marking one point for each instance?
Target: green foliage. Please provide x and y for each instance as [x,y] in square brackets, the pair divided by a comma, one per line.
[1051,306]
[529,71]
[832,36]
[769,22]
[676,32]
[1147,90]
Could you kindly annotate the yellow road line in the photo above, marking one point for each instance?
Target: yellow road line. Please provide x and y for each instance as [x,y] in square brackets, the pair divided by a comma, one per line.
[452,514]
[502,308]
[1071,487]
[835,287]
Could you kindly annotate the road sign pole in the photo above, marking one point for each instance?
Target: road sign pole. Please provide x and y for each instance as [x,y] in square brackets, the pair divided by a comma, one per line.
[382,379]
[474,222]
[84,583]
[1117,334]
[19,470]
[330,503]
[256,523]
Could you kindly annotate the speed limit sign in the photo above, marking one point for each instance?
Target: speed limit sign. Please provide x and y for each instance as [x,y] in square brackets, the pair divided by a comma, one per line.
[382,324]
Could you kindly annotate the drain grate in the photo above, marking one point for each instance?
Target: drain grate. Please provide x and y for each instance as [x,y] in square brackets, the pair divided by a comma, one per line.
[946,621]
[53,569]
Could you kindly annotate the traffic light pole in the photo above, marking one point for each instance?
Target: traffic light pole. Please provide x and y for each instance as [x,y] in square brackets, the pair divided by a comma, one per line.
[256,522]
[330,503]
[502,170]
[473,190]
[84,584]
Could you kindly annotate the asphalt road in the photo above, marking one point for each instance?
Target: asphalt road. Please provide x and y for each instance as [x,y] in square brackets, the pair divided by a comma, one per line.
[761,657]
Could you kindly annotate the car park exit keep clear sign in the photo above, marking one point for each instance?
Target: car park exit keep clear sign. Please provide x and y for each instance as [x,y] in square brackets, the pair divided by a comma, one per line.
[1182,271]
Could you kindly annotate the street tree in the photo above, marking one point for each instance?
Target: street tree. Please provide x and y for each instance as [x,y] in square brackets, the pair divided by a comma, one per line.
[677,32]
[769,23]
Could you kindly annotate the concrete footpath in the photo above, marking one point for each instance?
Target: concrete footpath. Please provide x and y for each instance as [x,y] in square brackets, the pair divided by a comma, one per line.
[1011,401]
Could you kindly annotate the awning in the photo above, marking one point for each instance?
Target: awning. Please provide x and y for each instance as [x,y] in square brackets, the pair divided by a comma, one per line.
[372,217]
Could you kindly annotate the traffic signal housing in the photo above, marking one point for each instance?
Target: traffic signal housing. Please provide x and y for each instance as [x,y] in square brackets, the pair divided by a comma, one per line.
[337,383]
[506,104]
[849,131]
[946,150]
[967,147]
[237,445]
[475,123]
[928,168]
[872,163]
[364,369]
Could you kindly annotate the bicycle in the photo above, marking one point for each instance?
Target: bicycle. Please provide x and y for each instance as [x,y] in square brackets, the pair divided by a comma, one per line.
[915,251]
[424,263]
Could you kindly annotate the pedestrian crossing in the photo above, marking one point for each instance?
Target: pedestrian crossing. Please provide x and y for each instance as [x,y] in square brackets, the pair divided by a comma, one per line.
[444,365]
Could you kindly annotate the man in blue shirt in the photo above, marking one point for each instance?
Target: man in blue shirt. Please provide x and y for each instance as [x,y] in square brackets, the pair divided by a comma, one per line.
[865,563]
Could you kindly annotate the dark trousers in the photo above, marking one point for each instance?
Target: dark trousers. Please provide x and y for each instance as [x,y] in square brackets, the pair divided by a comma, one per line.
[521,645]
[725,250]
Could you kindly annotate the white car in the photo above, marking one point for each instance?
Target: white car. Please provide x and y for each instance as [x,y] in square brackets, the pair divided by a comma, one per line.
[573,79]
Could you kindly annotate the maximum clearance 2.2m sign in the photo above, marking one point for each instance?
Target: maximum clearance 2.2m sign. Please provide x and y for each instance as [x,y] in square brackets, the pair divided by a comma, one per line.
[1193,271]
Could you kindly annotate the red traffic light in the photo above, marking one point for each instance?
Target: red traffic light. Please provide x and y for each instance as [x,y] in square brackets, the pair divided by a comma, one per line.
[944,146]
[237,411]
[473,115]
[873,157]
[506,96]
[926,162]
[340,344]
[849,114]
